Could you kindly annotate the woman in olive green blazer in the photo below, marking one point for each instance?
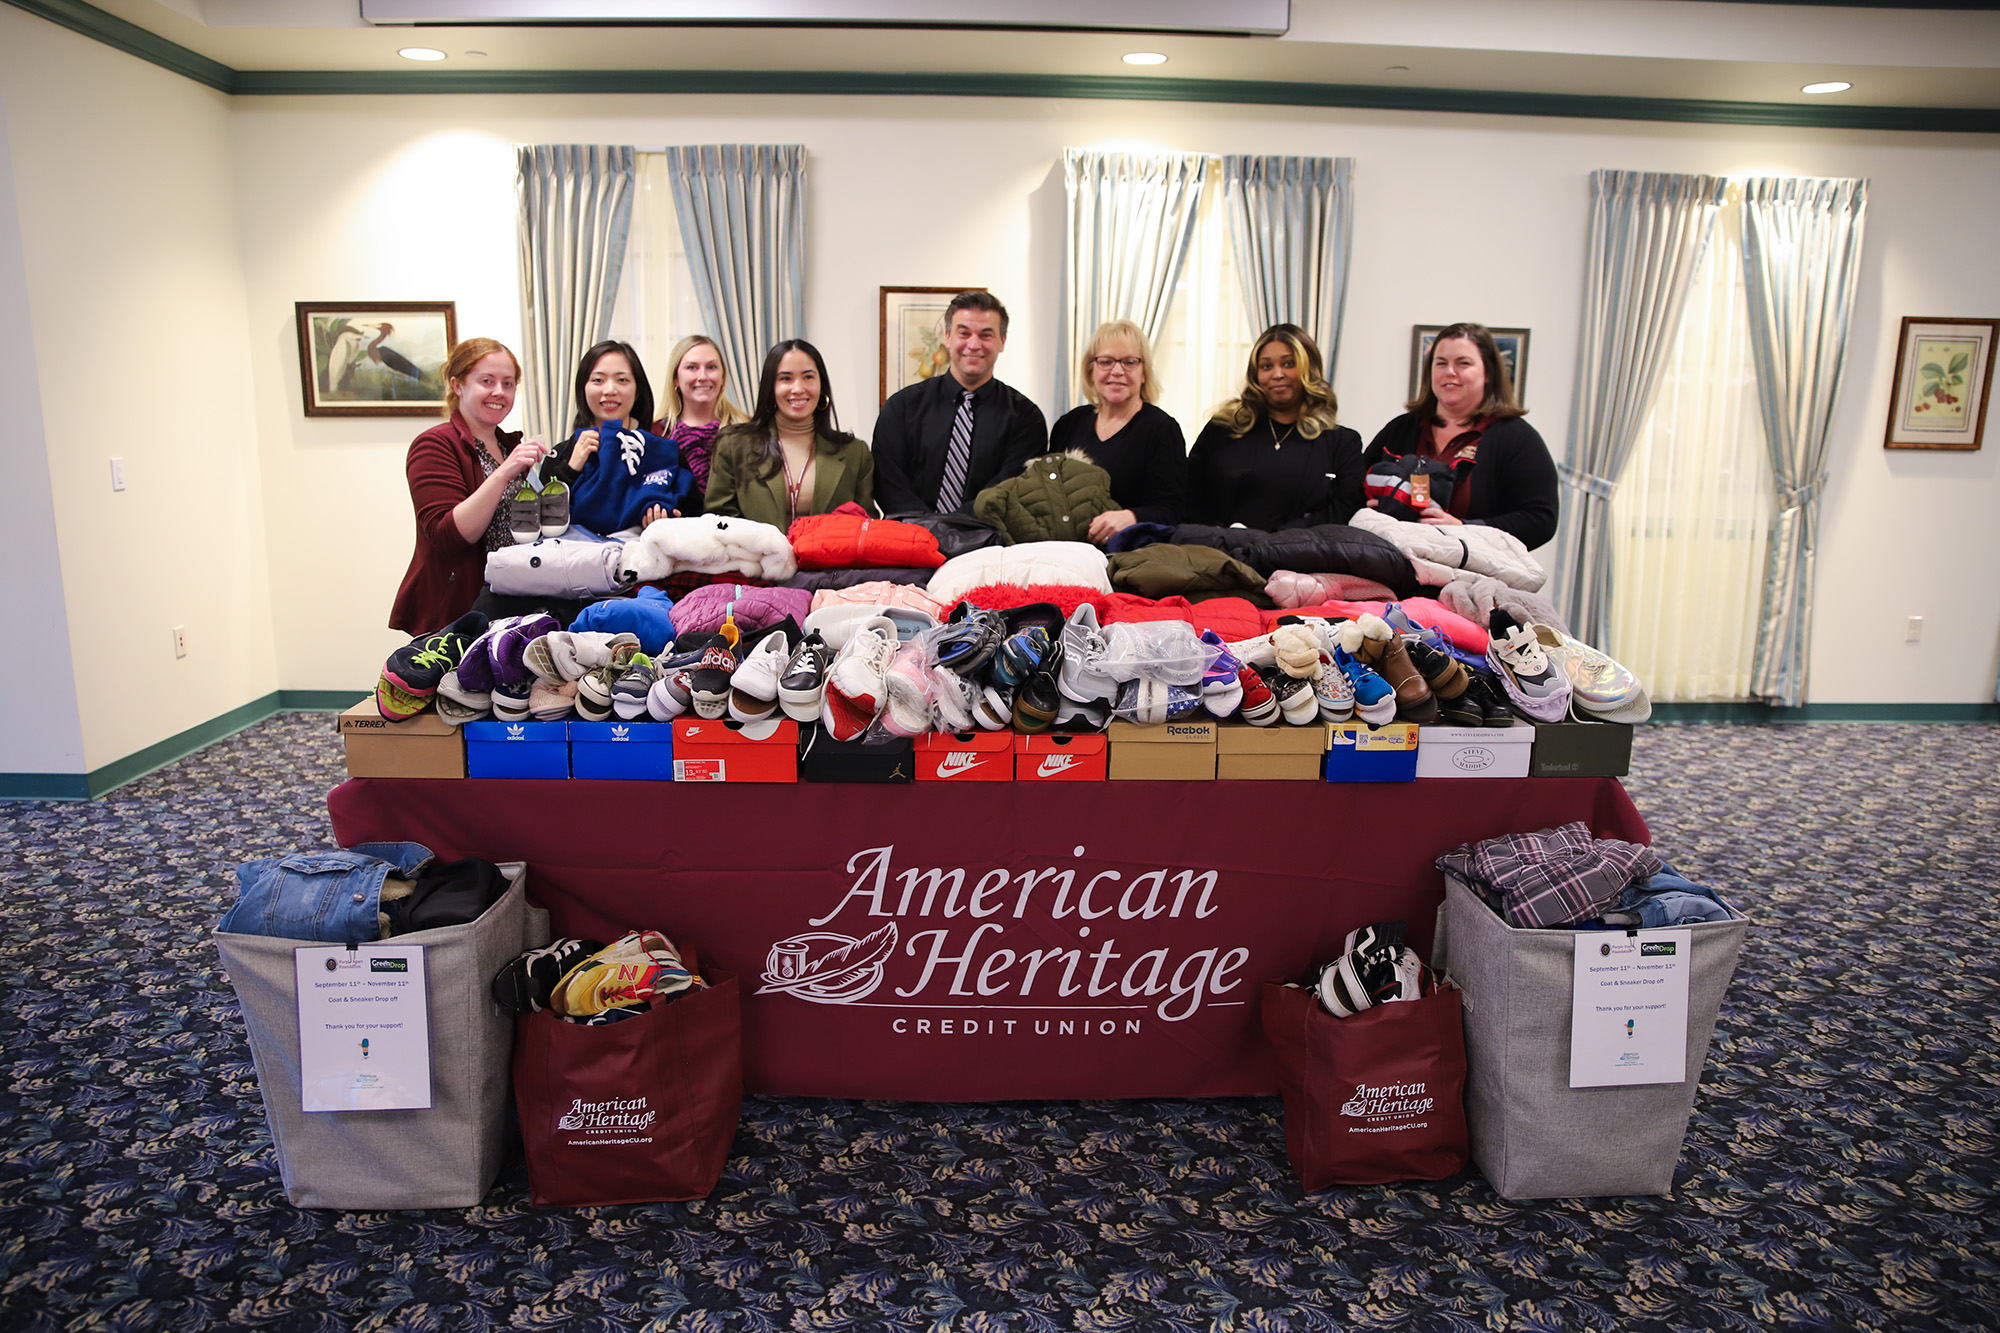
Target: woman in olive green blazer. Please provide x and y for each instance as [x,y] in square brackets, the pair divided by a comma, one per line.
[791,458]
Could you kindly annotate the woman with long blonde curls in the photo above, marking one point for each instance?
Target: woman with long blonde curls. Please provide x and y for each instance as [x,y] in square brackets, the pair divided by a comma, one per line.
[1121,431]
[697,407]
[1275,457]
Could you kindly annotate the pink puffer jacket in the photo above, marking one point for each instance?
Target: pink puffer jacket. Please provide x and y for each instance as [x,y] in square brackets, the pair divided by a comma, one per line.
[702,611]
[1289,589]
[879,593]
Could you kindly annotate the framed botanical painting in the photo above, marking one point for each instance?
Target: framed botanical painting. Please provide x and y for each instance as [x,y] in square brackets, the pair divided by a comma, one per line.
[382,359]
[1943,368]
[913,334]
[1513,345]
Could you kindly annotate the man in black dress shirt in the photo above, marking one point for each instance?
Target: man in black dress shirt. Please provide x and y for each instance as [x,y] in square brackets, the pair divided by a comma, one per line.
[941,441]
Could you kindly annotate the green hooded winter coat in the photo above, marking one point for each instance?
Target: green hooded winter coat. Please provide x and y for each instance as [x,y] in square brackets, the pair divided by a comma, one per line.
[1053,499]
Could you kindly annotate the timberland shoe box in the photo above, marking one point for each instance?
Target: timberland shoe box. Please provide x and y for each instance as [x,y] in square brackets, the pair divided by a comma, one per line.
[425,746]
[1171,752]
[1280,752]
[1061,756]
[965,756]
[638,751]
[1475,752]
[1357,752]
[1581,750]
[517,749]
[718,751]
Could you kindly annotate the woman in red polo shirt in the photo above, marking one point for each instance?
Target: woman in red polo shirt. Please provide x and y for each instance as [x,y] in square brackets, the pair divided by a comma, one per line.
[461,475]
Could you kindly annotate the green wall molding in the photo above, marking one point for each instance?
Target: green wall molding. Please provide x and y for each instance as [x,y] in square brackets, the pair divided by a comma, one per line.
[134,40]
[1756,714]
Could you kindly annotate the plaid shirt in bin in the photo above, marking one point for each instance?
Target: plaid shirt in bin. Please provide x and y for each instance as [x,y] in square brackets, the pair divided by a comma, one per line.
[1554,876]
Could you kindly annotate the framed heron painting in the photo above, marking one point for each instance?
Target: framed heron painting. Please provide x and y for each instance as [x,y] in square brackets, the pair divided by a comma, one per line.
[383,359]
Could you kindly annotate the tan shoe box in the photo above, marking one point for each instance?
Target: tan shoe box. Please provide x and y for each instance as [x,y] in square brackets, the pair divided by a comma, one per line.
[1172,752]
[425,746]
[1280,752]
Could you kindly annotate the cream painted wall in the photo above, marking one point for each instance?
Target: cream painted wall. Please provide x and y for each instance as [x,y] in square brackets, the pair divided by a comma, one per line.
[125,188]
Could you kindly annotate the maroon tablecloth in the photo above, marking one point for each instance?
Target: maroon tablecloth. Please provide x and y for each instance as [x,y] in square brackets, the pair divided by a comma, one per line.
[971,943]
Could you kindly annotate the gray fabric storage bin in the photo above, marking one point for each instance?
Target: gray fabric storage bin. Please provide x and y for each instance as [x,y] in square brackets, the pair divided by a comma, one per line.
[1533,1135]
[445,1157]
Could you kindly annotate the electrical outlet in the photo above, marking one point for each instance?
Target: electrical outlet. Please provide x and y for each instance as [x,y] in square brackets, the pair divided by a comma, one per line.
[117,474]
[1914,632]
[180,641]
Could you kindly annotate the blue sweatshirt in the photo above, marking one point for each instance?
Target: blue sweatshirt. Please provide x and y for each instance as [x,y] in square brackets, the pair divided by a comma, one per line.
[631,470]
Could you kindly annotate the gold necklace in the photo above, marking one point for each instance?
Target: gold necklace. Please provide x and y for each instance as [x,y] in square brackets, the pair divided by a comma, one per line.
[1280,439]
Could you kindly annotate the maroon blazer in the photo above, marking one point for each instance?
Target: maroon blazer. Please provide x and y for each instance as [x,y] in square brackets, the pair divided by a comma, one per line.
[446,572]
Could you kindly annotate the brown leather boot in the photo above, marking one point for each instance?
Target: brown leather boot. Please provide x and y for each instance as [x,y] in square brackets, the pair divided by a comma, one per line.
[1414,702]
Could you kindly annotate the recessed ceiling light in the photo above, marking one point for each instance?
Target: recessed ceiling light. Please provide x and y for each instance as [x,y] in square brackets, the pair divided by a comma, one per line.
[421,53]
[1144,58]
[1831,86]
[475,55]
[1395,69]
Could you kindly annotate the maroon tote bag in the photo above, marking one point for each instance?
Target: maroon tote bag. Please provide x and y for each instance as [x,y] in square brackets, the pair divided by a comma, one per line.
[632,1112]
[1372,1098]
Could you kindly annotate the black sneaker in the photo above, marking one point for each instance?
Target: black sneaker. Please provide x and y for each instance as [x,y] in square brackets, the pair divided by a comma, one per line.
[1040,698]
[709,685]
[1445,674]
[1486,694]
[1367,974]
[969,640]
[525,984]
[418,666]
[802,687]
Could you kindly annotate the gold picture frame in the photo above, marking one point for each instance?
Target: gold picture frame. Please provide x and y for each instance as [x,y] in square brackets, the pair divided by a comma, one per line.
[913,334]
[374,359]
[1943,370]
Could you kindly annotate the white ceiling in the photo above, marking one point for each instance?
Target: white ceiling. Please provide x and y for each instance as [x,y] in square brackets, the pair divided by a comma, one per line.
[1633,48]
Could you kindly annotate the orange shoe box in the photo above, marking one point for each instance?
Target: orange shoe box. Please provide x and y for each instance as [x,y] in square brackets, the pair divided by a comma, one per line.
[965,756]
[1061,756]
[706,751]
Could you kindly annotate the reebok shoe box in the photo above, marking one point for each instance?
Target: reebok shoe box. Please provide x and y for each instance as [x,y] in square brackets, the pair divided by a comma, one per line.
[1357,752]
[636,751]
[1577,750]
[717,751]
[1280,752]
[1475,752]
[965,756]
[425,746]
[1173,752]
[1061,756]
[496,749]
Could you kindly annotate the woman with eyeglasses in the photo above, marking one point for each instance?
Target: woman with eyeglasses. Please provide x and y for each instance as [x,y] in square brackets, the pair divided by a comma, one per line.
[1121,431]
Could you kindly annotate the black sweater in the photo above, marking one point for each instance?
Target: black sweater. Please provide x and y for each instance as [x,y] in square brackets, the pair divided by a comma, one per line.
[1147,459]
[1513,479]
[1298,484]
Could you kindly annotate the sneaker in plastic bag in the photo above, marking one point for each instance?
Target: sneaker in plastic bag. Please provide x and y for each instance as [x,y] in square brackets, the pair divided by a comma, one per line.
[906,691]
[1082,677]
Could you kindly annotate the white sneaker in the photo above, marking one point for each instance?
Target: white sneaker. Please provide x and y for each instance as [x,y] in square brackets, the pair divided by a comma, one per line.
[1599,685]
[1082,677]
[753,689]
[954,697]
[1535,686]
[854,685]
[906,689]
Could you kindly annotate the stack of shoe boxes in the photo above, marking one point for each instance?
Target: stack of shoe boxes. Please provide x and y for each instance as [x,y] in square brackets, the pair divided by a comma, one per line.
[1280,752]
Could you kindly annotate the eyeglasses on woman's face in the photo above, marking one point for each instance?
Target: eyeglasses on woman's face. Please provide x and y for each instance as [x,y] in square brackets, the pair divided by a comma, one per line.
[1107,362]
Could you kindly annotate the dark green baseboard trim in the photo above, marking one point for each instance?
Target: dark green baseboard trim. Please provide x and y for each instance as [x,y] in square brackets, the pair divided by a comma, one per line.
[44,787]
[318,701]
[1760,715]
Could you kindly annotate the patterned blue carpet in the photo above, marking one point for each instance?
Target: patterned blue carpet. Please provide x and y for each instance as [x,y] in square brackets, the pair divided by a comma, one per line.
[1838,1174]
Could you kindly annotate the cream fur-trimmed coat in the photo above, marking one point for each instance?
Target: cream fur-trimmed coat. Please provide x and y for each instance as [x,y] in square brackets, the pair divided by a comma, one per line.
[710,544]
[1444,553]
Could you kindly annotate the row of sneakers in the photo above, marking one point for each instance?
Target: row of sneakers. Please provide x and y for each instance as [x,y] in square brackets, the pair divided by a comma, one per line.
[533,514]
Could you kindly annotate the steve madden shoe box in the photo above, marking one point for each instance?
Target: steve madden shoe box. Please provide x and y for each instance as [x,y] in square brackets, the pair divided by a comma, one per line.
[1281,752]
[824,759]
[425,746]
[1172,752]
[1357,752]
[496,749]
[638,751]
[965,756]
[1061,756]
[1572,750]
[718,751]
[1474,752]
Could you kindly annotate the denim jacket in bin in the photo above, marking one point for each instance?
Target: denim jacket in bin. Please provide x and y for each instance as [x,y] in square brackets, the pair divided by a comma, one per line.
[328,897]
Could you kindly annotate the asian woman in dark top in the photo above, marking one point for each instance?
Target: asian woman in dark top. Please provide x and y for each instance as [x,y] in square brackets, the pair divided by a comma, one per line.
[1122,432]
[1466,415]
[1275,457]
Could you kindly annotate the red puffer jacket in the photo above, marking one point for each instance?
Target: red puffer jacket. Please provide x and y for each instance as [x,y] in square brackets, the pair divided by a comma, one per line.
[848,538]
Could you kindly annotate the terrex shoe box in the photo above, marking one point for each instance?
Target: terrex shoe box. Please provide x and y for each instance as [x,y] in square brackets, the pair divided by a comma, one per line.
[639,751]
[1061,756]
[721,751]
[1562,750]
[425,746]
[1474,752]
[965,756]
[1172,752]
[1278,752]
[1357,752]
[498,749]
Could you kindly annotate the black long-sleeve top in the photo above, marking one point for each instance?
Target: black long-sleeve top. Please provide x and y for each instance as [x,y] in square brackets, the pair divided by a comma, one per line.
[1273,479]
[913,440]
[1513,479]
[1147,459]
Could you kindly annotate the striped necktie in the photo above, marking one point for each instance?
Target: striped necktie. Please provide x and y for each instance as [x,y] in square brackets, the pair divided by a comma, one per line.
[959,462]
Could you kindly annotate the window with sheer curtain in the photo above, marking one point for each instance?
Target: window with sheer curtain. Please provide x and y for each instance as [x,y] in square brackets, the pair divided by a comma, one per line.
[1201,353]
[1691,513]
[656,301]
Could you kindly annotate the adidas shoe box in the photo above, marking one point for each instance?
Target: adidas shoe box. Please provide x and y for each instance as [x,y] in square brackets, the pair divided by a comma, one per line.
[1357,752]
[718,751]
[1061,756]
[965,756]
[1172,752]
[495,749]
[1475,752]
[425,746]
[1581,750]
[637,751]
[1280,752]
[824,759]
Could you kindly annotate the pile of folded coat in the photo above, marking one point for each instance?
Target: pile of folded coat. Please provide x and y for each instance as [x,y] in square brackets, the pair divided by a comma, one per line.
[1565,877]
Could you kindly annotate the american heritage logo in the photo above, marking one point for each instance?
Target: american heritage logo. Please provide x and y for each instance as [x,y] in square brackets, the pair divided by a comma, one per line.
[1391,1100]
[617,1114]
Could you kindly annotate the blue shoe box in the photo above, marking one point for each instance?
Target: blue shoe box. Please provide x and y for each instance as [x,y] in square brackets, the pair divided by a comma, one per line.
[1357,752]
[633,751]
[516,749]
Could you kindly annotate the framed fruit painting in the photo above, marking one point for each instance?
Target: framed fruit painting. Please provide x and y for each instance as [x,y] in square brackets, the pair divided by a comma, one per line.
[913,334]
[1943,370]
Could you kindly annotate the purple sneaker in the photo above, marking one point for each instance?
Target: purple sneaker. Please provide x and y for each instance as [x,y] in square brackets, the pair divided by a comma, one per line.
[511,645]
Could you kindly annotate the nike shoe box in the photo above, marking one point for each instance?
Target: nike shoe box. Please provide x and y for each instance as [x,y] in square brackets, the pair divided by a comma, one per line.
[495,749]
[1575,750]
[1474,752]
[425,746]
[1172,752]
[965,756]
[1061,756]
[1280,752]
[635,751]
[1357,752]
[824,759]
[718,751]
